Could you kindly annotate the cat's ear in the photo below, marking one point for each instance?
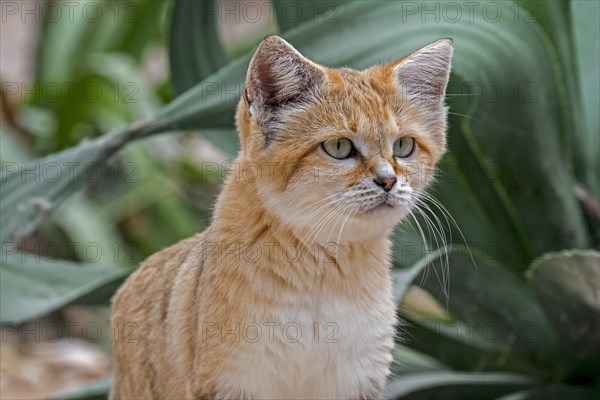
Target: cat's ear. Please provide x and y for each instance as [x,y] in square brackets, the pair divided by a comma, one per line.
[279,76]
[423,76]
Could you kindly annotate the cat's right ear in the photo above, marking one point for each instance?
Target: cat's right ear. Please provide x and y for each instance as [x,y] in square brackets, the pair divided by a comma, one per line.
[279,77]
[423,76]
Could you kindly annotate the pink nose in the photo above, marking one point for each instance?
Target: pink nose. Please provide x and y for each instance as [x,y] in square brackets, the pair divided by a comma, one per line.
[386,183]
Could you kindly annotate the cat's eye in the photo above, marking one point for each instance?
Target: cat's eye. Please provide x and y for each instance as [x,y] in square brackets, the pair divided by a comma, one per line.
[338,148]
[404,147]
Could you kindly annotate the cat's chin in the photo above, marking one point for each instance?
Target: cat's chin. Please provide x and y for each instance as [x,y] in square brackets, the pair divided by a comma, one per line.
[378,220]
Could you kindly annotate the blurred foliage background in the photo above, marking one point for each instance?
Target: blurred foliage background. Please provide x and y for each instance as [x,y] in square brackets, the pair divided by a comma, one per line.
[509,309]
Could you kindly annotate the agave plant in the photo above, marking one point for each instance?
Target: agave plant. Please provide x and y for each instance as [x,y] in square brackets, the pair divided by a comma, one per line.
[505,242]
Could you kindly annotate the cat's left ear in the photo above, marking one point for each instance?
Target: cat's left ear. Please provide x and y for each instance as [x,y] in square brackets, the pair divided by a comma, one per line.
[279,78]
[423,76]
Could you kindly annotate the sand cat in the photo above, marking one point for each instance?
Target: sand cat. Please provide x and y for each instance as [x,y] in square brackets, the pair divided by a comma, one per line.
[287,294]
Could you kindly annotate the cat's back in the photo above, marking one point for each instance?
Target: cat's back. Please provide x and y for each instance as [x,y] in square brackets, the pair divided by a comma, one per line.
[139,310]
[145,288]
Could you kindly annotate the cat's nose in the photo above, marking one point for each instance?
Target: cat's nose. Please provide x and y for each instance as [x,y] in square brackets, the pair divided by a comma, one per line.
[386,183]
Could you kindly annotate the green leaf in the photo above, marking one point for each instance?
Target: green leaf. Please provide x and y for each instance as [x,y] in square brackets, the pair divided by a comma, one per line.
[554,19]
[93,390]
[93,235]
[195,49]
[457,385]
[487,296]
[568,286]
[135,27]
[472,189]
[499,320]
[210,103]
[555,392]
[410,361]
[291,13]
[586,36]
[32,286]
[573,35]
[89,27]
[31,191]
[456,344]
[13,149]
[226,139]
[63,44]
[402,278]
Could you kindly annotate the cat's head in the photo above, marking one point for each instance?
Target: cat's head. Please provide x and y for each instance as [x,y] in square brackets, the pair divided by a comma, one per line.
[343,154]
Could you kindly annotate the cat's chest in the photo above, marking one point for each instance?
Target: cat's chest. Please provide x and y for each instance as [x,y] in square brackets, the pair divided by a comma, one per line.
[330,323]
[320,346]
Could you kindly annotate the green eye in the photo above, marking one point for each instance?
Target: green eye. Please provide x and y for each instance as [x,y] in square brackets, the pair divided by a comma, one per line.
[338,148]
[404,147]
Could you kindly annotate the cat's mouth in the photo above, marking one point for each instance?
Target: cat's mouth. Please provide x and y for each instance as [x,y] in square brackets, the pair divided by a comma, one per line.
[384,205]
[387,203]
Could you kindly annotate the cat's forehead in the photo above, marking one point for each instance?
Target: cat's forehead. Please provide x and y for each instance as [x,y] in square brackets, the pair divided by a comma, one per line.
[363,103]
[373,84]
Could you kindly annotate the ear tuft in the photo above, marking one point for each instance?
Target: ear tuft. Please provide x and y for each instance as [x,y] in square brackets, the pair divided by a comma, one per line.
[279,75]
[423,76]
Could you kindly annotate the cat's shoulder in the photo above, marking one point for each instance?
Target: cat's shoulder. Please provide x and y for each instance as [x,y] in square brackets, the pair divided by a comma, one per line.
[157,269]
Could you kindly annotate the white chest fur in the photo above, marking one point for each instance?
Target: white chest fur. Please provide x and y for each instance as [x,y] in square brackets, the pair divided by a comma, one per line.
[317,347]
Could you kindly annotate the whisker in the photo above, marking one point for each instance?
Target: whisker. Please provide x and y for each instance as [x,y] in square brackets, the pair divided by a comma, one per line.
[463,94]
[308,219]
[445,211]
[426,273]
[433,231]
[437,231]
[317,229]
[464,115]
[350,213]
[312,204]
[336,221]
